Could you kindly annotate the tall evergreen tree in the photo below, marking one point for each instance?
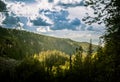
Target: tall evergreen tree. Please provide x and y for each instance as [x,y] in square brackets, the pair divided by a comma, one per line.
[78,58]
[90,48]
[70,62]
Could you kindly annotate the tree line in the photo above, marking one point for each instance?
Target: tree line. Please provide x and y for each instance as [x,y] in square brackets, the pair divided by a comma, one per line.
[56,66]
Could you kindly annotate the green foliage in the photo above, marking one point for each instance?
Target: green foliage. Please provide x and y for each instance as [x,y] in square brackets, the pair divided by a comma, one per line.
[54,66]
[108,11]
[18,44]
[78,59]
[30,69]
[7,69]
[52,59]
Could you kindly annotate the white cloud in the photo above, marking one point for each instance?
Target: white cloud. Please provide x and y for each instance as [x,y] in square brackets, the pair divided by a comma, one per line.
[21,9]
[43,4]
[2,17]
[73,13]
[32,11]
[79,12]
[43,29]
[56,1]
[70,1]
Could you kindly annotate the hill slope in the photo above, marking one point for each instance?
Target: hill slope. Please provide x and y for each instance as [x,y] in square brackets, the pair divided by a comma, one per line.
[17,44]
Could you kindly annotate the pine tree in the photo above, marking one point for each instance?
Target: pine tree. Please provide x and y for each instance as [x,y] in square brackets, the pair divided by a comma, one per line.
[70,62]
[78,58]
[90,48]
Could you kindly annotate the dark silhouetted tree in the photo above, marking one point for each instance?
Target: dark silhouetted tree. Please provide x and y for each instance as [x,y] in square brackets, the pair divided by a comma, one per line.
[2,6]
[90,48]
[78,58]
[108,12]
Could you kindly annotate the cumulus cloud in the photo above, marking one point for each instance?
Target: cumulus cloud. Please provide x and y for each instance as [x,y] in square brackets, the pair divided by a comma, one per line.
[2,18]
[25,1]
[70,3]
[21,9]
[40,22]
[60,18]
[63,3]
[61,21]
[10,21]
[43,16]
[43,29]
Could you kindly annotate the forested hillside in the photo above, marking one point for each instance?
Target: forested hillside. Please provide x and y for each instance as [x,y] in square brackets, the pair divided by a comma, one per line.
[17,44]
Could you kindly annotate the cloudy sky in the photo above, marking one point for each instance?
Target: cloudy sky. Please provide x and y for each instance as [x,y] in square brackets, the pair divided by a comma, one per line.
[58,18]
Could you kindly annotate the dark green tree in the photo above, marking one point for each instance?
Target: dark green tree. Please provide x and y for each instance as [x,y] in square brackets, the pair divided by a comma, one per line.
[78,58]
[90,48]
[70,62]
[89,54]
[30,70]
[2,6]
[108,12]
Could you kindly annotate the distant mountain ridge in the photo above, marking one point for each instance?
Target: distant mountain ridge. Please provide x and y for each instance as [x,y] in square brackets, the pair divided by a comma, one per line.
[18,43]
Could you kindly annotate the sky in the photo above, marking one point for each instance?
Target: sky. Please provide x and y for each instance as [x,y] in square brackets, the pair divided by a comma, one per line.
[57,18]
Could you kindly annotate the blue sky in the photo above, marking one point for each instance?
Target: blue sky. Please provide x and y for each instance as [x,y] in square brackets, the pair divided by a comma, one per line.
[58,18]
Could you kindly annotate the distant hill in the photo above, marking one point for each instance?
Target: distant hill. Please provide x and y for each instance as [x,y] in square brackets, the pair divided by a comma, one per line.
[18,43]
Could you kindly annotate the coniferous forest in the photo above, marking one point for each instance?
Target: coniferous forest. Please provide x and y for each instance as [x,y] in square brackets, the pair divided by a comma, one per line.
[29,57]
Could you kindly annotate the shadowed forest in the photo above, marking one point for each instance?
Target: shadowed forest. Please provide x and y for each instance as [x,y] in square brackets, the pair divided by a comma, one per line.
[30,57]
